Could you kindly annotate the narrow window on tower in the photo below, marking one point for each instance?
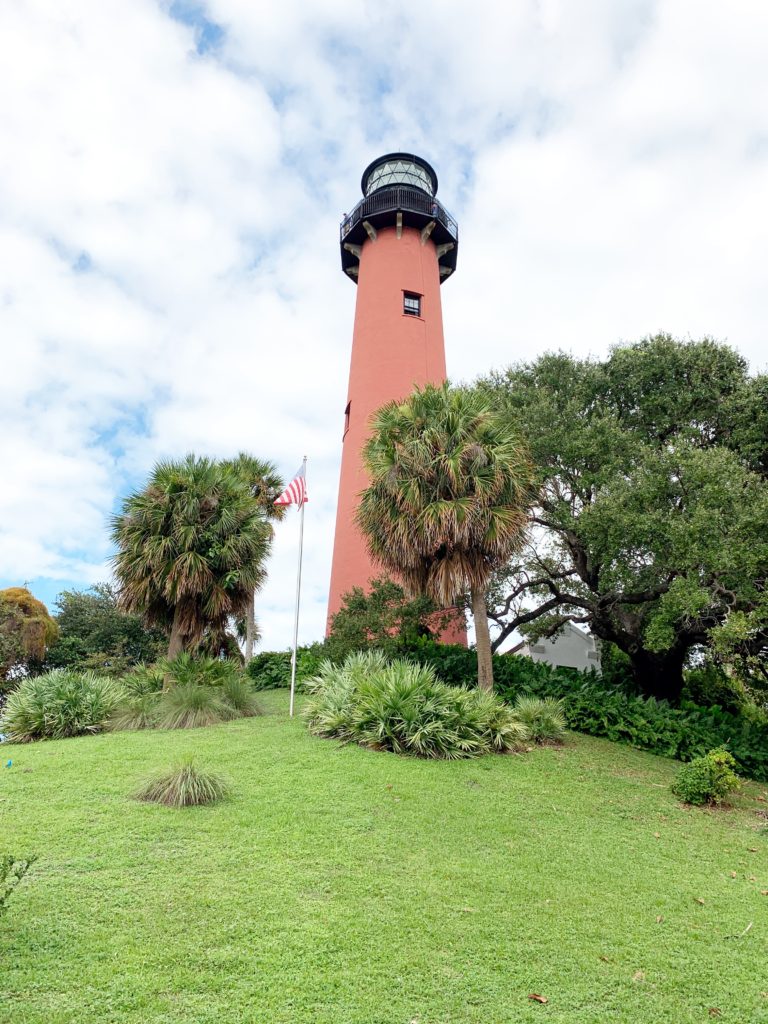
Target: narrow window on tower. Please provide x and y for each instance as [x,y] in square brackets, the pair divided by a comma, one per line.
[411,304]
[346,421]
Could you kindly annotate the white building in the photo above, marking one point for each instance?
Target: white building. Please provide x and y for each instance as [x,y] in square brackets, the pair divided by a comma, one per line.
[570,648]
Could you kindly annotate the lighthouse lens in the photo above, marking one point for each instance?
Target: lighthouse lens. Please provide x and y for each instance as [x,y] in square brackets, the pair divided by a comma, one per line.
[398,172]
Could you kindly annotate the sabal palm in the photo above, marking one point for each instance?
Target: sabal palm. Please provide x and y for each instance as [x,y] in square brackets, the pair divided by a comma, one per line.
[265,484]
[450,484]
[191,549]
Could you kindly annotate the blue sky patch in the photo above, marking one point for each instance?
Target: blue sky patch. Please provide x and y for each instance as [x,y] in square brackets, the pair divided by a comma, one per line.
[208,35]
[82,264]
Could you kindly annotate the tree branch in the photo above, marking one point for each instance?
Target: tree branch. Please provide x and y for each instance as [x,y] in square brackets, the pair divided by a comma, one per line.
[521,620]
[639,597]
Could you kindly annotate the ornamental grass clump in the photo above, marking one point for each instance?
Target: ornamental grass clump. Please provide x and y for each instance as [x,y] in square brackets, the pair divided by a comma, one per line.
[707,780]
[186,785]
[190,705]
[185,693]
[136,711]
[59,704]
[140,707]
[403,708]
[238,692]
[543,717]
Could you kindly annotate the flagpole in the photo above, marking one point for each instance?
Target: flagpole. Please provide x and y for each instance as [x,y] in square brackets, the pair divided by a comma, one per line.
[298,591]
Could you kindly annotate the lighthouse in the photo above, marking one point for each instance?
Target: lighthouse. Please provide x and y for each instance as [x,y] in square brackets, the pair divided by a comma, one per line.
[398,245]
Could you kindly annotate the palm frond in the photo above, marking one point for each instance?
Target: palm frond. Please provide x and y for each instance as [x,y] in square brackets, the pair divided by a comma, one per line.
[192,545]
[450,484]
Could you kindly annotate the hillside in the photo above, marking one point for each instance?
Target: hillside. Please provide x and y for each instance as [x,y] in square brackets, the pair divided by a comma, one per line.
[341,885]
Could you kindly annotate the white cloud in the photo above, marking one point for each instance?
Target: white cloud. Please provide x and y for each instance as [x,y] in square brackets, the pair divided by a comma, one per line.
[169,275]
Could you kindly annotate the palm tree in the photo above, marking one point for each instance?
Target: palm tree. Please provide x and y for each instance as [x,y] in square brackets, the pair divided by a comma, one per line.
[265,484]
[450,484]
[191,549]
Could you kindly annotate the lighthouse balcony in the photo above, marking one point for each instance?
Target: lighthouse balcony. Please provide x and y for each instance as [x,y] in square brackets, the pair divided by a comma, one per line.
[399,207]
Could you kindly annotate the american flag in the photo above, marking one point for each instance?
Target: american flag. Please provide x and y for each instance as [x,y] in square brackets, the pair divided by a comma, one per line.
[296,491]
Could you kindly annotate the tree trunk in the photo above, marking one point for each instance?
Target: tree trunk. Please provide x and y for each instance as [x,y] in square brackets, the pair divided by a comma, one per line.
[176,642]
[250,628]
[482,639]
[659,675]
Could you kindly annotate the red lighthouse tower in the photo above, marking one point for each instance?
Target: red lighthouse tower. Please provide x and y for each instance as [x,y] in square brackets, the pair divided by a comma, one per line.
[399,244]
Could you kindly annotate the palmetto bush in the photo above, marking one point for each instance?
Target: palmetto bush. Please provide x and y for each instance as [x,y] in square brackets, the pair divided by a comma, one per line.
[403,708]
[58,704]
[144,679]
[333,689]
[204,671]
[543,717]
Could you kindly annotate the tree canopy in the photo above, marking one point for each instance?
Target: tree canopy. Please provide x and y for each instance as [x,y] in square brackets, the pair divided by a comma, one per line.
[26,631]
[448,495]
[192,547]
[382,617]
[652,519]
[95,634]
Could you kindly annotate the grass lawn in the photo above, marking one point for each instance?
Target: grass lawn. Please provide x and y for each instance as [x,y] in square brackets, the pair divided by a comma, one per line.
[341,885]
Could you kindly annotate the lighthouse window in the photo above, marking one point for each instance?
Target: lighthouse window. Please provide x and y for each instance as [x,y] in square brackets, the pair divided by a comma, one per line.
[411,304]
[399,172]
[346,420]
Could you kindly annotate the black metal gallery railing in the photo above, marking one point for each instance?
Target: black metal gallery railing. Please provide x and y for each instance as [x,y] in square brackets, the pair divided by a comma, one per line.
[387,200]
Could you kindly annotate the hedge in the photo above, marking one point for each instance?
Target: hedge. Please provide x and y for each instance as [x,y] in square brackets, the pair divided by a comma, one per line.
[592,707]
[271,670]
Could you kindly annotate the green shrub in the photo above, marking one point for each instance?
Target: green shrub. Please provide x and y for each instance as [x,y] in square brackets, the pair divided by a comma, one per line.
[192,705]
[543,717]
[683,733]
[403,708]
[59,704]
[183,786]
[271,670]
[380,617]
[707,685]
[616,668]
[308,661]
[12,870]
[95,634]
[707,780]
[453,663]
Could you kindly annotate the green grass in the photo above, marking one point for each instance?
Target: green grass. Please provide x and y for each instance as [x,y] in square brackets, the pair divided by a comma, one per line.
[346,886]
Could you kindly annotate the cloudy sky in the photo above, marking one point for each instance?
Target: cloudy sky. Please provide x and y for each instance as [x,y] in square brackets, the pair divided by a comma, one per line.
[171,181]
